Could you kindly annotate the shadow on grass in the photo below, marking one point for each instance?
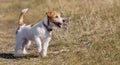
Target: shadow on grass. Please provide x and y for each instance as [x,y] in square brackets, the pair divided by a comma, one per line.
[10,56]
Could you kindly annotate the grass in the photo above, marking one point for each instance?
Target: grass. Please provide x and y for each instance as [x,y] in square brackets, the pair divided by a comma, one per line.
[92,36]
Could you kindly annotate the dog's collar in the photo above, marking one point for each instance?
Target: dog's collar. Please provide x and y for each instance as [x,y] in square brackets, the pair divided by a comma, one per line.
[48,29]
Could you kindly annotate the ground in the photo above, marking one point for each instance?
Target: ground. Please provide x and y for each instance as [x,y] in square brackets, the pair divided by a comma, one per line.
[91,38]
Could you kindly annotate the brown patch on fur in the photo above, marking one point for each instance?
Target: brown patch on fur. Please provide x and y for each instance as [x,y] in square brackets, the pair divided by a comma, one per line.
[53,15]
[21,22]
[30,25]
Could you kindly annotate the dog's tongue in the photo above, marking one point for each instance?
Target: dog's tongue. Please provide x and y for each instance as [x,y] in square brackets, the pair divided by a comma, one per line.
[61,26]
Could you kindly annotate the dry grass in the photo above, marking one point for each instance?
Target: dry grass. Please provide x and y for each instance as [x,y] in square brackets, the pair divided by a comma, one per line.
[92,37]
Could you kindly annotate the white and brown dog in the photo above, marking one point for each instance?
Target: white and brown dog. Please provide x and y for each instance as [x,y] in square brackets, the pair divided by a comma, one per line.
[40,32]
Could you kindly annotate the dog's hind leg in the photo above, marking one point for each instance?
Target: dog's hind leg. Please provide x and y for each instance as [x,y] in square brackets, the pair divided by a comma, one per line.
[18,45]
[24,44]
[28,44]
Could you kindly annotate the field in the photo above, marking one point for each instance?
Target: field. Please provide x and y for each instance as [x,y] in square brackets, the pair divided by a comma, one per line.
[92,36]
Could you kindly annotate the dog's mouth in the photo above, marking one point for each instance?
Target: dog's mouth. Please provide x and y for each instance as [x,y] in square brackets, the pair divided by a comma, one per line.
[60,25]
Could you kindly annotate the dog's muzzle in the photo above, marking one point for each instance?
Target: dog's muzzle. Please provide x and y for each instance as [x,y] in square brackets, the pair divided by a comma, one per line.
[60,25]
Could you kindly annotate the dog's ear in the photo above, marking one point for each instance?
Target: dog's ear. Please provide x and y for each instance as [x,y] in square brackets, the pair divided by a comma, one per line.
[49,14]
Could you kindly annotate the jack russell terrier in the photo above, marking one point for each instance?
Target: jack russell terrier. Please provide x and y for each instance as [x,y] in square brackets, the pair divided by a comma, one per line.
[40,32]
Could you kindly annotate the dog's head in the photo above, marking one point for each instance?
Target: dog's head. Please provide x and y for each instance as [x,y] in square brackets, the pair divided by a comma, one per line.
[55,18]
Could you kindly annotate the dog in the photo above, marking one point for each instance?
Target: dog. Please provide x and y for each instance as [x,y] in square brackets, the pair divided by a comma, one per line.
[40,32]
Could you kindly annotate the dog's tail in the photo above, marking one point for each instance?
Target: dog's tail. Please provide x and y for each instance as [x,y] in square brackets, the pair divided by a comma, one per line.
[21,22]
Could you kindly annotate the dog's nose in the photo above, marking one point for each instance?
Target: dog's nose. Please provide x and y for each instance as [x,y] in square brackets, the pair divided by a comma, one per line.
[64,20]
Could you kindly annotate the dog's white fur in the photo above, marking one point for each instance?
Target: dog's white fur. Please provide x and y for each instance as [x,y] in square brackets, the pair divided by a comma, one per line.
[38,33]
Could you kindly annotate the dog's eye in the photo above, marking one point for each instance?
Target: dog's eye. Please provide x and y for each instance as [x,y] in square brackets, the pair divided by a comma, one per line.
[56,16]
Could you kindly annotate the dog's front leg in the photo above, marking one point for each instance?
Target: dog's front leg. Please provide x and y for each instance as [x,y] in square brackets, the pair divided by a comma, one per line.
[45,46]
[38,42]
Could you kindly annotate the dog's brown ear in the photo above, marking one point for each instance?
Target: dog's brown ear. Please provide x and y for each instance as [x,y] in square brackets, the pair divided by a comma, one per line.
[49,14]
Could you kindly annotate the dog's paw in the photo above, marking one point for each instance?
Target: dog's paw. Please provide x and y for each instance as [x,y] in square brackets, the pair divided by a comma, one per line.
[24,52]
[42,55]
[45,56]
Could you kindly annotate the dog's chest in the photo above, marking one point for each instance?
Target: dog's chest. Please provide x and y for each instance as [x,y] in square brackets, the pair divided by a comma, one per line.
[43,33]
